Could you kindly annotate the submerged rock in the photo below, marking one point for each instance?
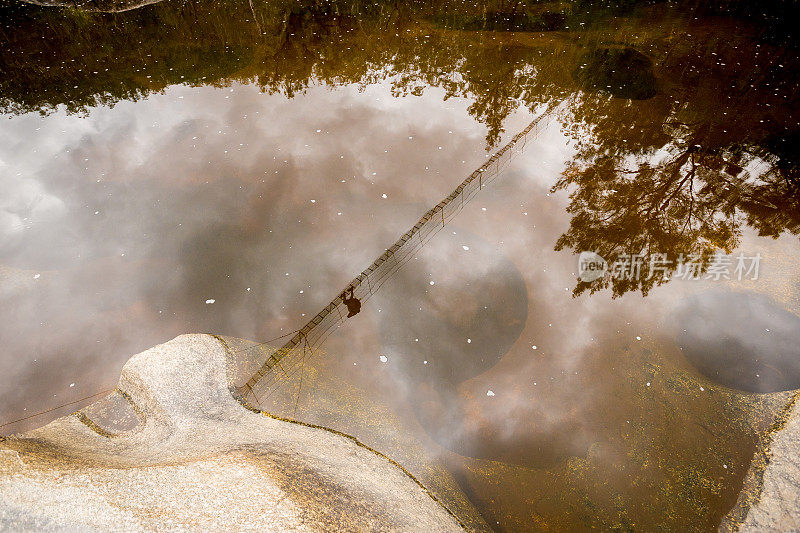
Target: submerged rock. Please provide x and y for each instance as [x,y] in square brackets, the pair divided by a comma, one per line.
[172,449]
[742,340]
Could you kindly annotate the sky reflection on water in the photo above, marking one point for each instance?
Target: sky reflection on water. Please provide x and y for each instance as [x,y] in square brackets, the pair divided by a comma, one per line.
[228,210]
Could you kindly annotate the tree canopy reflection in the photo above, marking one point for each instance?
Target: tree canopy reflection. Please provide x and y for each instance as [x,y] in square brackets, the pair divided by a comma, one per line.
[686,131]
[682,173]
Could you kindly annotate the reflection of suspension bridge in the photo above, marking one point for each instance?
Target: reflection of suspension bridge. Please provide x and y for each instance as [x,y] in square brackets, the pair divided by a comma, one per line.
[289,358]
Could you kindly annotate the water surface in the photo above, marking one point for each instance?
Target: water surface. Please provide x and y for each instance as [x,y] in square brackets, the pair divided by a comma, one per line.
[187,168]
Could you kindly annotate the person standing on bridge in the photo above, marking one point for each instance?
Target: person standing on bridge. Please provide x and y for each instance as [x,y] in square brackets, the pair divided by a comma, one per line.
[353,304]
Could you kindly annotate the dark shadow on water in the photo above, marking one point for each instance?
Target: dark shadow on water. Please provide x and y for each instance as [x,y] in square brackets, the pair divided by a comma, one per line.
[741,340]
[623,72]
[440,336]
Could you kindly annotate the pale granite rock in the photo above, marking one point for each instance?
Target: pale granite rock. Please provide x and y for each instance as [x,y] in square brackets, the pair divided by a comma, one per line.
[770,498]
[197,459]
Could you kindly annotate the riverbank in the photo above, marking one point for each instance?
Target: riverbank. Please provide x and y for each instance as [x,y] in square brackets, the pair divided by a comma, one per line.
[172,449]
[770,496]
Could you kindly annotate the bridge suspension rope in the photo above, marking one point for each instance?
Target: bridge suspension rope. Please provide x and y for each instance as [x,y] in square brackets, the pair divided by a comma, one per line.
[290,358]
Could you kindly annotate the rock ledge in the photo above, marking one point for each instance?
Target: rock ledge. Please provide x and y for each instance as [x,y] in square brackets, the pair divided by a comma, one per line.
[179,452]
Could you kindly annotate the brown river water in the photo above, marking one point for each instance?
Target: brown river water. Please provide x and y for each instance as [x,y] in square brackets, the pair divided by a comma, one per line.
[184,167]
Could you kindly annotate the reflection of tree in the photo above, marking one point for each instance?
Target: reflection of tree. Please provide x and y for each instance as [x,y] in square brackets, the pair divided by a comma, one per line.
[688,203]
[656,175]
[652,209]
[681,174]
[81,59]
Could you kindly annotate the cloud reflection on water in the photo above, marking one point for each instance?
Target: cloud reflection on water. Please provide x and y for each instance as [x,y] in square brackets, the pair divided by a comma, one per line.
[135,216]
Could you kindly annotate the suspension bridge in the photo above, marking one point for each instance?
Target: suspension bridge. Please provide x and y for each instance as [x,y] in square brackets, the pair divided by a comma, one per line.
[287,360]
